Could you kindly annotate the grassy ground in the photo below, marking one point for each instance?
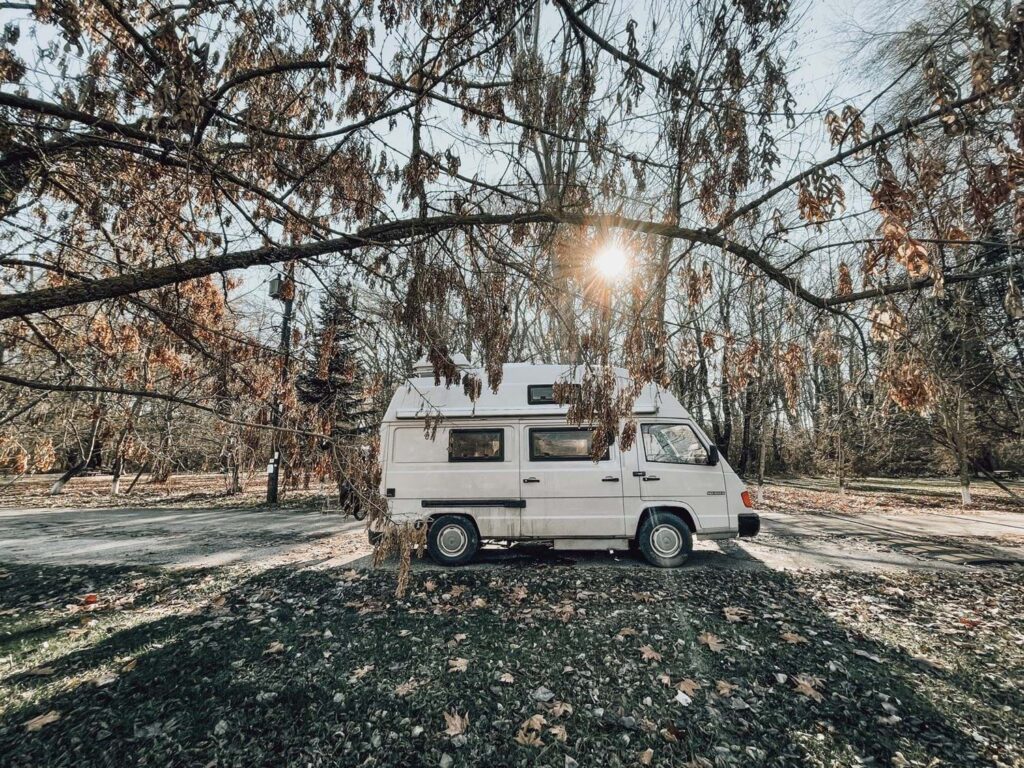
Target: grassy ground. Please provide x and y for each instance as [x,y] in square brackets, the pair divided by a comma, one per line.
[513,666]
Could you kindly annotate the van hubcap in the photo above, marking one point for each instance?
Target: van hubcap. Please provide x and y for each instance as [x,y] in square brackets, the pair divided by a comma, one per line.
[452,541]
[666,541]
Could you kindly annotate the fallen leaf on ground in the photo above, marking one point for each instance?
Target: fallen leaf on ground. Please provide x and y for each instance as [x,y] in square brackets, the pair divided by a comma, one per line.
[430,585]
[37,723]
[506,678]
[688,686]
[649,653]
[456,723]
[806,685]
[558,731]
[866,655]
[626,632]
[404,689]
[460,637]
[793,638]
[713,642]
[646,756]
[274,647]
[130,665]
[529,731]
[361,672]
[41,672]
[560,708]
[734,613]
[458,665]
[724,688]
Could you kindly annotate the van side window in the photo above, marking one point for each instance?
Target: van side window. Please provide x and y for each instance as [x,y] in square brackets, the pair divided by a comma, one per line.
[476,445]
[563,444]
[540,394]
[673,444]
[544,394]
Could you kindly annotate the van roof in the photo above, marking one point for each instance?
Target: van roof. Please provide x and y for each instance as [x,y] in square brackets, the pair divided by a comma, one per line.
[420,396]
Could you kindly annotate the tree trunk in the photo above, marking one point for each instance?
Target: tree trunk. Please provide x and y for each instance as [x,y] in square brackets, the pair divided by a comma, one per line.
[58,487]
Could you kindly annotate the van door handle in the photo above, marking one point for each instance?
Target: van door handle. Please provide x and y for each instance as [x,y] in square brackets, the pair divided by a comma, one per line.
[649,478]
[530,480]
[610,479]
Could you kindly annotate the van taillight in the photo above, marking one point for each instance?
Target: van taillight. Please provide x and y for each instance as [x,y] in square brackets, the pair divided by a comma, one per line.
[746,500]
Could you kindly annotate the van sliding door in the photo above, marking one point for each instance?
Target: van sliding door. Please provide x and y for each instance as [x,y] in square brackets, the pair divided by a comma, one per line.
[566,493]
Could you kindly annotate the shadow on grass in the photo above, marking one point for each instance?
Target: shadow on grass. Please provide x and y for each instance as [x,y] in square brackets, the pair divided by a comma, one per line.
[305,668]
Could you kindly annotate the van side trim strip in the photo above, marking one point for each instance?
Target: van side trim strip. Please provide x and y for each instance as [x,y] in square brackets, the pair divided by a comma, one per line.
[508,503]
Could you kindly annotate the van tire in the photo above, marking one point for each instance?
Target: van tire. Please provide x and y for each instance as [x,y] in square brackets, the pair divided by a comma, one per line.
[452,540]
[664,540]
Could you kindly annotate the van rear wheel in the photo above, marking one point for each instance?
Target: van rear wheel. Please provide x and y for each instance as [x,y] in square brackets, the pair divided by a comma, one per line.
[452,540]
[665,540]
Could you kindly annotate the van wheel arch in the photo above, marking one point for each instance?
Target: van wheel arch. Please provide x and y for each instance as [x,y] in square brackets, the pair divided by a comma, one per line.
[472,520]
[681,512]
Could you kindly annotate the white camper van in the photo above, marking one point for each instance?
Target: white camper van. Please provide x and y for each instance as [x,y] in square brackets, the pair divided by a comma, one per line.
[509,468]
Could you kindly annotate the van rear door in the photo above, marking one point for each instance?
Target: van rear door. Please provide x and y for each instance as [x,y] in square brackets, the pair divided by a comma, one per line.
[673,466]
[566,493]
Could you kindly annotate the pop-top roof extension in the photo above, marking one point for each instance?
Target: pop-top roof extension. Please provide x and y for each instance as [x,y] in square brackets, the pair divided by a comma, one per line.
[421,397]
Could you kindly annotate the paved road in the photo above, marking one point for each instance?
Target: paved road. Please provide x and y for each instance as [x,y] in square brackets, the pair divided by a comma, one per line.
[184,537]
[197,537]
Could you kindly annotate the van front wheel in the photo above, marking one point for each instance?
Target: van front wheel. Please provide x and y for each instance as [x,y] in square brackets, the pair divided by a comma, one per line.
[452,540]
[665,540]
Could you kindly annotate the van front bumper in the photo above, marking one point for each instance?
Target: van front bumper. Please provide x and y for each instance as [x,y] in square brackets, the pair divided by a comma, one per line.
[749,523]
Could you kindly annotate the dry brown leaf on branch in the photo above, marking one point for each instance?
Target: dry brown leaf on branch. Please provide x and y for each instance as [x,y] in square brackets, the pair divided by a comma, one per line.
[458,665]
[649,654]
[456,723]
[713,642]
[37,723]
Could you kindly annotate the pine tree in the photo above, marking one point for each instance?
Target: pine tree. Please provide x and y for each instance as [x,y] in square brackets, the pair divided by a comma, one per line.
[332,387]
[331,382]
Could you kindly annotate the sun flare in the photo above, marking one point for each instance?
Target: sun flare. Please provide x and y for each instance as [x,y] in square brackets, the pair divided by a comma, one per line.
[611,261]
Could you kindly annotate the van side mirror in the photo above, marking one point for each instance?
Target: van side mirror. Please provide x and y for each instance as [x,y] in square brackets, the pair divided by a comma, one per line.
[713,455]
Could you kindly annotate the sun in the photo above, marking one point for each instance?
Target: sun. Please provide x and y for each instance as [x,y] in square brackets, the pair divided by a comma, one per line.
[611,261]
